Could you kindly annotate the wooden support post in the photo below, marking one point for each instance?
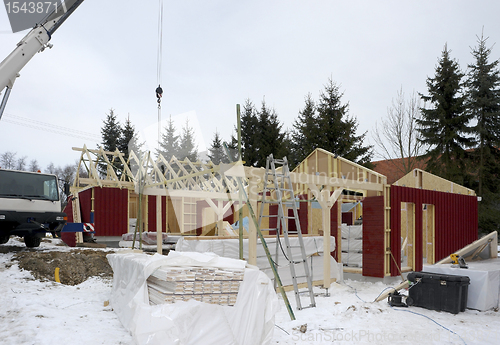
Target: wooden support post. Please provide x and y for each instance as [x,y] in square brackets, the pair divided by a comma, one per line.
[159,233]
[326,240]
[252,229]
[326,202]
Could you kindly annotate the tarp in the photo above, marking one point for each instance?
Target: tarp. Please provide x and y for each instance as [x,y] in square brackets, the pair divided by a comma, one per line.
[249,322]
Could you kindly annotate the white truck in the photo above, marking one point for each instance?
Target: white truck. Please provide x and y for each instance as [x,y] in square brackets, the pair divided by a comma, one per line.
[30,206]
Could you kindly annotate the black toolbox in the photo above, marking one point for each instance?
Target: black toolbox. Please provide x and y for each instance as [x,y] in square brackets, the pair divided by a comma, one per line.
[438,291]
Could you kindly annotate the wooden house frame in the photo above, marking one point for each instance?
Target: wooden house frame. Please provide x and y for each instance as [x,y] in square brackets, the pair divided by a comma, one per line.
[179,196]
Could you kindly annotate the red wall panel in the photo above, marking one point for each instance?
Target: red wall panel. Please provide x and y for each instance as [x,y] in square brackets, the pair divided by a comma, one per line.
[85,201]
[152,213]
[334,228]
[373,236]
[456,222]
[111,211]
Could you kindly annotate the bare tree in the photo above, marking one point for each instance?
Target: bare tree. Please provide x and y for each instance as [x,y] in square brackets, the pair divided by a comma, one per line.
[397,138]
[8,160]
[21,163]
[33,166]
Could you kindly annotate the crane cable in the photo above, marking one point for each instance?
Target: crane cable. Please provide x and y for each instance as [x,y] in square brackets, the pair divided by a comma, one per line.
[159,90]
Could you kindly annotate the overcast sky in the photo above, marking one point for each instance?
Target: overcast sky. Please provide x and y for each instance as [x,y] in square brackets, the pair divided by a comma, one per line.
[219,53]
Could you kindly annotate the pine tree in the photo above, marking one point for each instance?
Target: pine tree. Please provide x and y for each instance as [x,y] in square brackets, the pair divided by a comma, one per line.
[271,139]
[111,133]
[250,135]
[129,141]
[444,126]
[483,104]
[169,145]
[337,129]
[305,132]
[216,151]
[187,144]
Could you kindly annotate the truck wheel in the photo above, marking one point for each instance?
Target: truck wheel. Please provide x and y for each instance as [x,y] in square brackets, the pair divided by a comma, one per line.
[4,239]
[32,241]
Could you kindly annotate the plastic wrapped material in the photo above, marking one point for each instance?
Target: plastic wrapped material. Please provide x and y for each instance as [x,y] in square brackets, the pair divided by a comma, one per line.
[249,322]
[352,259]
[484,288]
[352,245]
[352,231]
[313,246]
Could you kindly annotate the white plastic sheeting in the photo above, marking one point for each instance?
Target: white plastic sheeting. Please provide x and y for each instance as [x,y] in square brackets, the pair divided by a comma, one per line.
[484,288]
[352,231]
[249,322]
[229,248]
[352,245]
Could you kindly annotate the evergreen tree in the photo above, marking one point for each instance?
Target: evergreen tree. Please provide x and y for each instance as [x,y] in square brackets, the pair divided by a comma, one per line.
[305,132]
[483,103]
[169,145]
[216,151]
[111,133]
[444,126]
[187,144]
[250,135]
[271,137]
[337,130]
[128,142]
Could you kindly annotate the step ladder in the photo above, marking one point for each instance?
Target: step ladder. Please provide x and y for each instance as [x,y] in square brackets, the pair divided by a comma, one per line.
[278,191]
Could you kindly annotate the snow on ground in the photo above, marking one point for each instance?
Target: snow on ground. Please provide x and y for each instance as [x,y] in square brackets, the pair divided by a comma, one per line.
[34,312]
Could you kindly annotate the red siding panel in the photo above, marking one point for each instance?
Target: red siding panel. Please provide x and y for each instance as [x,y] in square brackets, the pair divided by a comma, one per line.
[334,230]
[456,222]
[85,200]
[111,211]
[68,209]
[373,236]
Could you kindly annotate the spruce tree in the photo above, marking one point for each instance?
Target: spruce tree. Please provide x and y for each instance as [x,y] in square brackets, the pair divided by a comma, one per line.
[216,151]
[187,144]
[444,126]
[169,145]
[305,132]
[250,135]
[111,133]
[337,132]
[483,104]
[129,141]
[271,135]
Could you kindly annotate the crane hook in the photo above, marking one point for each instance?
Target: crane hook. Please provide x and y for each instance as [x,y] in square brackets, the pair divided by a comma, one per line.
[159,93]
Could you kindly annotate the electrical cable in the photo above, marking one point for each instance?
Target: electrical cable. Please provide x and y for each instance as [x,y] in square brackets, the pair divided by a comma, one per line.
[437,323]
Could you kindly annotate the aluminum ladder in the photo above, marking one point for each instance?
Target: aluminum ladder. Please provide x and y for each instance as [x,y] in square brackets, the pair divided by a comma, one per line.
[278,191]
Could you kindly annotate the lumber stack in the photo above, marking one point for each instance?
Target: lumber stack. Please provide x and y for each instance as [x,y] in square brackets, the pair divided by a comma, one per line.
[209,285]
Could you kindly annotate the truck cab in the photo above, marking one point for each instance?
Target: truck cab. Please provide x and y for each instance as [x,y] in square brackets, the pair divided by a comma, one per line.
[30,206]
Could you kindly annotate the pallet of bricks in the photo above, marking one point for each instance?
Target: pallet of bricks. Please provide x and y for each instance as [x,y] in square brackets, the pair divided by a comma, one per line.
[209,285]
[352,245]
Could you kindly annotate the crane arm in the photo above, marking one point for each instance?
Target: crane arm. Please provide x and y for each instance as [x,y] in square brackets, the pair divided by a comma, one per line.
[35,41]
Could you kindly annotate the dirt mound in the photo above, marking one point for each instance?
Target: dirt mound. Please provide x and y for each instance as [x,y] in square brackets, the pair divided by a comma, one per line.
[75,266]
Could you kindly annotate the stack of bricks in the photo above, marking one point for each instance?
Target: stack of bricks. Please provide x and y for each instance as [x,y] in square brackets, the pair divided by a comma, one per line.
[209,285]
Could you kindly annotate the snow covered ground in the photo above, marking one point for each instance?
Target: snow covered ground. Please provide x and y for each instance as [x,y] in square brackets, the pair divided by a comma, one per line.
[34,312]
